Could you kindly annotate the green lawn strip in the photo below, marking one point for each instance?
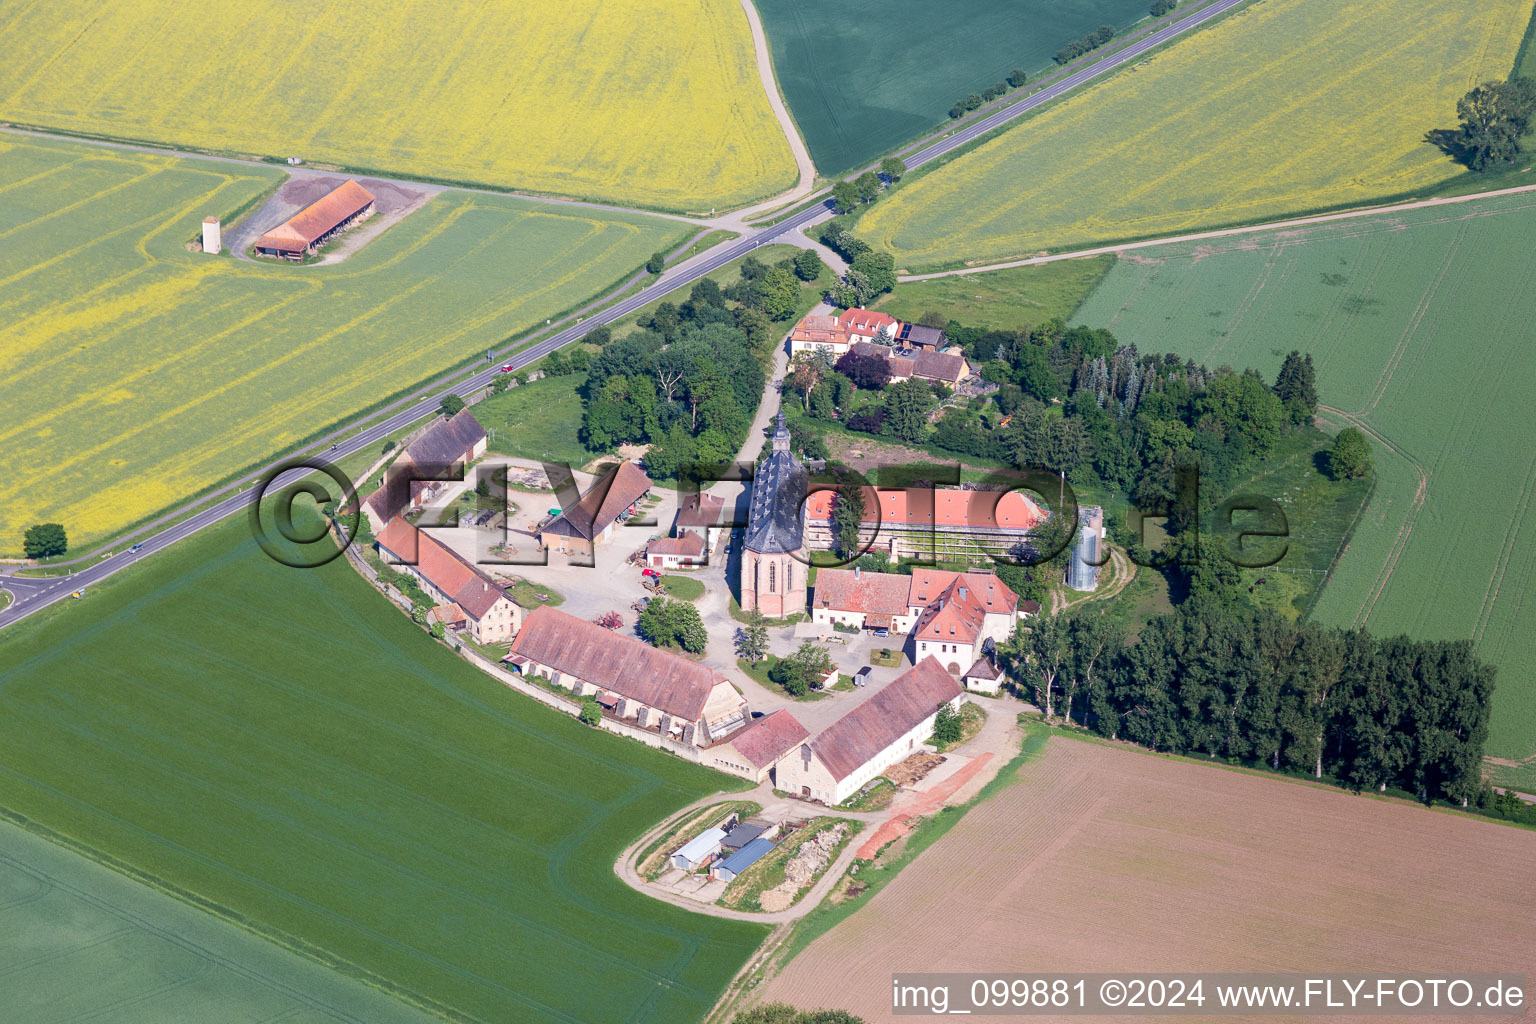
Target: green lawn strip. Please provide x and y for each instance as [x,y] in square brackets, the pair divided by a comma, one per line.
[759,672]
[740,616]
[652,862]
[1006,299]
[532,595]
[767,872]
[706,241]
[871,876]
[876,796]
[972,717]
[288,751]
[684,588]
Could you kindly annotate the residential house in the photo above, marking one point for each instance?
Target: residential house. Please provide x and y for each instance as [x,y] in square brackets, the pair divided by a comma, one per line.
[867,325]
[818,333]
[705,515]
[633,681]
[880,731]
[685,551]
[863,600]
[463,593]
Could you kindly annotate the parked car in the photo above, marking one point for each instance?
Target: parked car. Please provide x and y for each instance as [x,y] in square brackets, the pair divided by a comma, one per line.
[882,632]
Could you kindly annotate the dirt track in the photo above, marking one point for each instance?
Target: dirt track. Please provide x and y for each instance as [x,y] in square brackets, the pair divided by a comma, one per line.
[1107,859]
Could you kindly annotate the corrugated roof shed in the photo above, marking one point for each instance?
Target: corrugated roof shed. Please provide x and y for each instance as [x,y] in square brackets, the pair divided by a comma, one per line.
[745,857]
[701,846]
[851,741]
[628,667]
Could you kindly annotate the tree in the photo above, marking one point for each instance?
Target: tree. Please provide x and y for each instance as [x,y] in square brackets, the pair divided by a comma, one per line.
[879,268]
[789,676]
[1296,386]
[752,638]
[1349,457]
[905,411]
[947,727]
[44,540]
[437,631]
[557,364]
[1017,77]
[1050,652]
[669,623]
[813,661]
[868,185]
[499,383]
[657,263]
[1162,7]
[845,196]
[892,168]
[1494,117]
[868,370]
[847,517]
[775,293]
[451,405]
[808,265]
[591,711]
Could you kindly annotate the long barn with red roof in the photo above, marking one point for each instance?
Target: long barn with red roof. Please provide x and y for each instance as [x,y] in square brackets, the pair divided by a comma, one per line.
[317,223]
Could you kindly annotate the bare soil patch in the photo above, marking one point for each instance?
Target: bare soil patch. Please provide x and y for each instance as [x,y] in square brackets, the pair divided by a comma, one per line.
[1105,859]
[912,771]
[392,202]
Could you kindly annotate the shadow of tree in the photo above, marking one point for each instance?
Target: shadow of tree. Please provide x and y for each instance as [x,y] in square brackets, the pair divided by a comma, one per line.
[1450,142]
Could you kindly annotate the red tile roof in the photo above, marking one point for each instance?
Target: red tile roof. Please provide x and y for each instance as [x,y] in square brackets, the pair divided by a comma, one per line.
[625,666]
[463,582]
[942,506]
[689,545]
[869,592]
[955,604]
[301,230]
[867,322]
[602,505]
[819,330]
[851,741]
[701,512]
[769,738]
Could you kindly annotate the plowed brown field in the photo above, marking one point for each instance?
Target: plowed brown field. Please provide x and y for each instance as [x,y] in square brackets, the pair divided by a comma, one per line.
[1110,860]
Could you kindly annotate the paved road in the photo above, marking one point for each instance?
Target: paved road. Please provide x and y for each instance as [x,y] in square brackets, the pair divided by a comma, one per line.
[33,595]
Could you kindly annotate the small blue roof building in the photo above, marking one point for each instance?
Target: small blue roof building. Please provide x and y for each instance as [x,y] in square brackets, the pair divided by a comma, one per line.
[742,859]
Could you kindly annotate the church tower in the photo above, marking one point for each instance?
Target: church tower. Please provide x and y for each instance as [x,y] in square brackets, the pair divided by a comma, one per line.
[772,578]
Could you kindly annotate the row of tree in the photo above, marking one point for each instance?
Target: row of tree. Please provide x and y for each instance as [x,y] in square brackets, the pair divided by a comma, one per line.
[871,273]
[1256,688]
[1092,41]
[849,194]
[1016,78]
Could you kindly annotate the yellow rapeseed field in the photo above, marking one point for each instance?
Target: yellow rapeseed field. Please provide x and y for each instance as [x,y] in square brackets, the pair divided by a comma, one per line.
[651,102]
[134,373]
[1286,106]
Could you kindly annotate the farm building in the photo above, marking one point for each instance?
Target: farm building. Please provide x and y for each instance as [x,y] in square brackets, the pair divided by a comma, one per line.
[633,681]
[920,337]
[949,615]
[753,750]
[746,831]
[949,523]
[884,729]
[425,468]
[452,582]
[948,368]
[609,502]
[317,223]
[684,551]
[699,850]
[772,566]
[727,869]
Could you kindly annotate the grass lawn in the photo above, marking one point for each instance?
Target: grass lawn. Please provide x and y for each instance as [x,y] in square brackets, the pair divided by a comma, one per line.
[513,103]
[1419,326]
[875,797]
[1002,299]
[759,671]
[684,588]
[532,595]
[217,363]
[862,77]
[294,753]
[885,657]
[537,420]
[1285,107]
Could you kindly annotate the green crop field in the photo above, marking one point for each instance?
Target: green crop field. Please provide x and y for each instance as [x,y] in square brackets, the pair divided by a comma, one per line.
[84,942]
[1286,106]
[1420,324]
[1003,299]
[863,77]
[134,373]
[285,745]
